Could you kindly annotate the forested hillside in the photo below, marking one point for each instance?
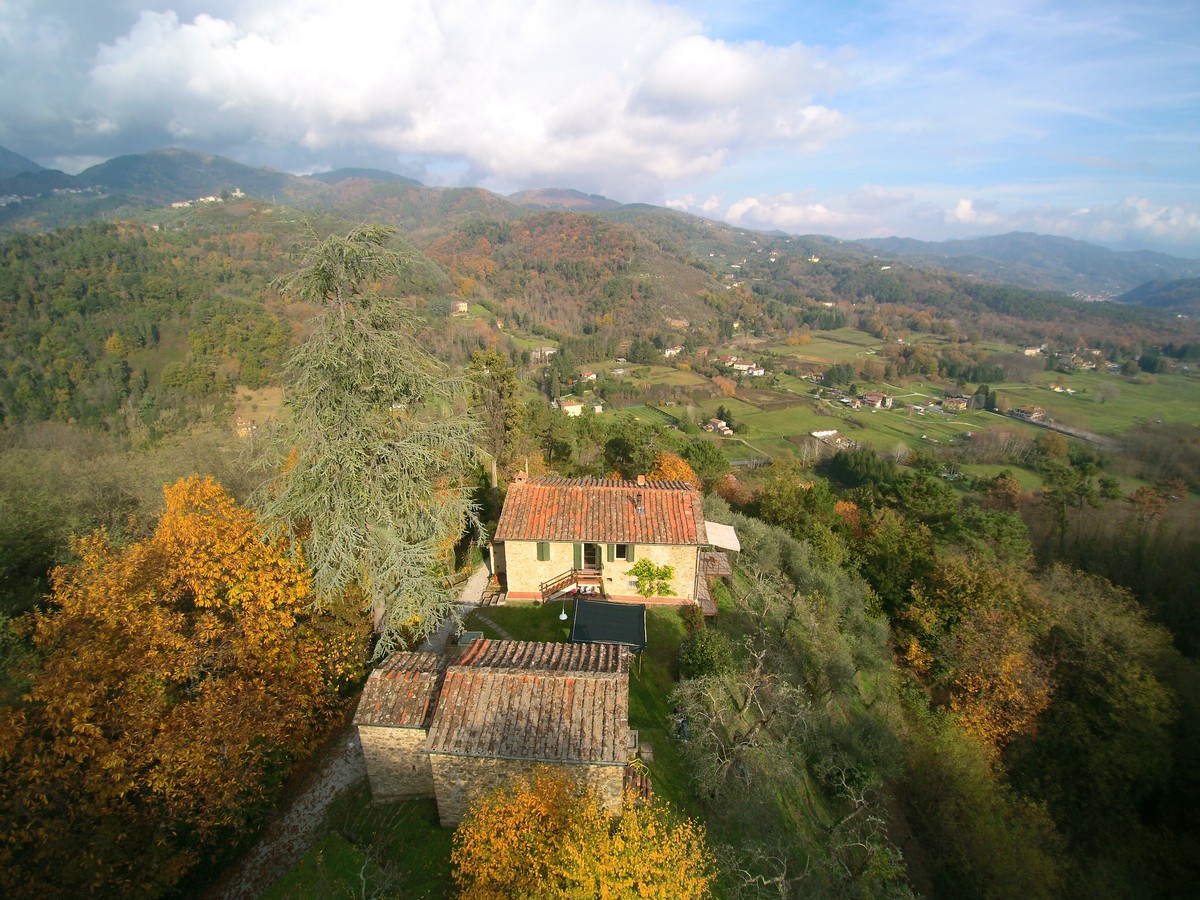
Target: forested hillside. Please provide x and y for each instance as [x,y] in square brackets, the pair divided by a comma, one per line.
[958,656]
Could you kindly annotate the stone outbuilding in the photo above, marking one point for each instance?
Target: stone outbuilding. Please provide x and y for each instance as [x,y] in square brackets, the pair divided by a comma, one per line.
[393,719]
[498,711]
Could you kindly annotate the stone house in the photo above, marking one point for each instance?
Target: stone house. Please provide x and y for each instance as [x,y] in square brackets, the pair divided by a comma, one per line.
[955,404]
[498,711]
[1029,413]
[585,535]
[393,719]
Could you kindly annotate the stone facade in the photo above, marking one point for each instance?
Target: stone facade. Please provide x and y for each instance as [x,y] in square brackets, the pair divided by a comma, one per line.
[526,573]
[460,780]
[397,765]
[497,710]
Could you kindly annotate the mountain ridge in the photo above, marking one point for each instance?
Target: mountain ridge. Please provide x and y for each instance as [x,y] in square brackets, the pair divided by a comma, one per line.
[12,163]
[1043,262]
[126,186]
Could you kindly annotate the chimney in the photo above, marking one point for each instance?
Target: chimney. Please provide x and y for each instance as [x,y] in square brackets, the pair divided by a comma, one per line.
[641,483]
[520,478]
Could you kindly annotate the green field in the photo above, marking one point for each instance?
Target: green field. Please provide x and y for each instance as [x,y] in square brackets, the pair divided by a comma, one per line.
[843,345]
[641,413]
[1110,404]
[648,375]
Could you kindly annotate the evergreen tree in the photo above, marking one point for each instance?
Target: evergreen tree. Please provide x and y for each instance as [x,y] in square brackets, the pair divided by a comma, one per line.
[372,452]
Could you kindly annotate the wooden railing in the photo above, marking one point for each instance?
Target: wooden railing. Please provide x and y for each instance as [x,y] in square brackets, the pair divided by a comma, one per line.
[557,583]
[568,578]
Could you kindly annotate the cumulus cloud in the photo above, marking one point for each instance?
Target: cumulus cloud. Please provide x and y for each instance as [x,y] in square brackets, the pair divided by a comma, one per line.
[1134,221]
[789,212]
[966,213]
[871,212]
[546,91]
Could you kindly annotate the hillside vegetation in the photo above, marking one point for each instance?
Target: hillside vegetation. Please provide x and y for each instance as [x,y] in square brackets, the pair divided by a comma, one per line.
[958,656]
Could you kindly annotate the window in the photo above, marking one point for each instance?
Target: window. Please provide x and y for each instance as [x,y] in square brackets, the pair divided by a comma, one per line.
[625,552]
[543,551]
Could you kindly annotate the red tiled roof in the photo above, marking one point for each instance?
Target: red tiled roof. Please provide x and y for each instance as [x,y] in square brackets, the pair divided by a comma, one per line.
[526,700]
[602,511]
[400,692]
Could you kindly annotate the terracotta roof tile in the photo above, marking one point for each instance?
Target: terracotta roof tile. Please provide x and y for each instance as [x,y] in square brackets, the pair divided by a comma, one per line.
[525,700]
[602,511]
[400,692]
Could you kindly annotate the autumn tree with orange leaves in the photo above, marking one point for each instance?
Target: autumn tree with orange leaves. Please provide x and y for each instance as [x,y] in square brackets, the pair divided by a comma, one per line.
[179,677]
[971,630]
[545,837]
[670,466]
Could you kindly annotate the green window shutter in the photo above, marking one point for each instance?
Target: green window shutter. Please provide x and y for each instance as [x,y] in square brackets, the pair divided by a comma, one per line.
[629,554]
[579,556]
[612,553]
[543,551]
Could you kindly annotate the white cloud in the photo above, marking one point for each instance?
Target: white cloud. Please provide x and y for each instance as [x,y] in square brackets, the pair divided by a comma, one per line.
[965,213]
[1132,221]
[788,212]
[874,197]
[709,206]
[546,91]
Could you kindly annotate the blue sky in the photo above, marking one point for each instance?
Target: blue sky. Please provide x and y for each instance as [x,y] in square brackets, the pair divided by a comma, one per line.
[931,120]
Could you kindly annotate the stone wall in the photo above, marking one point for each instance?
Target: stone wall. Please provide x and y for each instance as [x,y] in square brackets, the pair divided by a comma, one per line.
[618,583]
[397,764]
[459,780]
[526,573]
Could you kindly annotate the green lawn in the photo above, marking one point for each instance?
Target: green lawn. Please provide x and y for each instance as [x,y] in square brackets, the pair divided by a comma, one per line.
[1028,479]
[525,621]
[373,849]
[330,869]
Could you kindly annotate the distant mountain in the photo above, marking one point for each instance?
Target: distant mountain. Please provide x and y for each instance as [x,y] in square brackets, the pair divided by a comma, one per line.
[15,164]
[167,176]
[1182,295]
[1042,262]
[562,198]
[36,183]
[337,176]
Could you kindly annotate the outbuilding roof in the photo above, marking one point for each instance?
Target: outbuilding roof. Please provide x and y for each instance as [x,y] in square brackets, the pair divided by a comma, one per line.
[602,511]
[400,693]
[526,700]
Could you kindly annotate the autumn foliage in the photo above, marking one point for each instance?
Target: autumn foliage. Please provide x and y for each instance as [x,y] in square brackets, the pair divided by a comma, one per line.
[673,467]
[972,630]
[179,676]
[544,837]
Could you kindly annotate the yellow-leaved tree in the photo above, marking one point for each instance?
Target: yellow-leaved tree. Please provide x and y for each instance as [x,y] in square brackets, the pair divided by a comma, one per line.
[670,466]
[543,836]
[179,676]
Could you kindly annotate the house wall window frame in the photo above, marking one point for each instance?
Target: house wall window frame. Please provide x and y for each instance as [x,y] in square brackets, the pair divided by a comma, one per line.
[620,553]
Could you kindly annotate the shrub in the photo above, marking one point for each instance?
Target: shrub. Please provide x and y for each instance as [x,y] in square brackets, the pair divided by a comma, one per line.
[704,652]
